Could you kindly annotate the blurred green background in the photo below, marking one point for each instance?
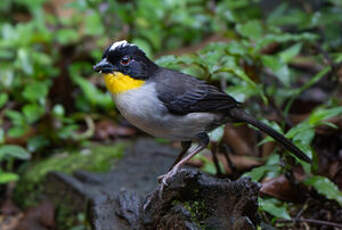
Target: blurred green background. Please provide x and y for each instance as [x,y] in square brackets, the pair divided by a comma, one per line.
[265,53]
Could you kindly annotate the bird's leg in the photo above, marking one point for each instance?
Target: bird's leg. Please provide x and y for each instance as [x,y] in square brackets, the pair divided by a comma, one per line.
[162,179]
[226,152]
[213,150]
[185,147]
[203,142]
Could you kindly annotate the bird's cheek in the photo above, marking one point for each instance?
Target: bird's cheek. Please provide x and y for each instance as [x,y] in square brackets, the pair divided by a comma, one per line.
[126,71]
[129,70]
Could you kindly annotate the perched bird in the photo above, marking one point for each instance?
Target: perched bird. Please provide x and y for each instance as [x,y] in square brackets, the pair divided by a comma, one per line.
[170,104]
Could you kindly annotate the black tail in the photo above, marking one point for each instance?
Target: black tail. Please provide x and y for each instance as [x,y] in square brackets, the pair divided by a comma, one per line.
[241,116]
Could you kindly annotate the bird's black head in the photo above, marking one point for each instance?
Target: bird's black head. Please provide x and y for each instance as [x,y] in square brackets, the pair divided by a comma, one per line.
[126,58]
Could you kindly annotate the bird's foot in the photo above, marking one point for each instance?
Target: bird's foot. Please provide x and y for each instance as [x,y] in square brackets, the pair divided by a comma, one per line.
[164,178]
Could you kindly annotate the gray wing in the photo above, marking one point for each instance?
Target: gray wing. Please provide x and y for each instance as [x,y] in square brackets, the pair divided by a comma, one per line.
[182,94]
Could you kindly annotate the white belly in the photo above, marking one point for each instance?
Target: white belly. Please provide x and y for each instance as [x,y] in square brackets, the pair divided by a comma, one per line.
[143,109]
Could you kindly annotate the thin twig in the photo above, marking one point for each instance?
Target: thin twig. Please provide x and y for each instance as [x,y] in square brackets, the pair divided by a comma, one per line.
[299,214]
[339,171]
[278,111]
[313,221]
[327,59]
[306,6]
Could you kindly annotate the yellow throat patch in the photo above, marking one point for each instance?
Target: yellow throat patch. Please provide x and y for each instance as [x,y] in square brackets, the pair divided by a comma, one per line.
[118,83]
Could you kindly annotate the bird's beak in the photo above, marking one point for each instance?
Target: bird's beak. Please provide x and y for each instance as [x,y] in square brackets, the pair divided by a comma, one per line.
[104,67]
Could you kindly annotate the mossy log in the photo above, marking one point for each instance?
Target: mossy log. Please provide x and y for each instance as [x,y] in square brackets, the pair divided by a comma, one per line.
[130,198]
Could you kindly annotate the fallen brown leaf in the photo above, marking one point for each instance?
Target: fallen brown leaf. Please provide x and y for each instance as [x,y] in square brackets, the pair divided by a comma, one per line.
[270,48]
[281,188]
[38,218]
[241,139]
[10,222]
[241,163]
[8,208]
[107,129]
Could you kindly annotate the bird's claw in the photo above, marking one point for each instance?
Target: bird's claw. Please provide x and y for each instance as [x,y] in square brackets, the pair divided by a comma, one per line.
[163,183]
[163,180]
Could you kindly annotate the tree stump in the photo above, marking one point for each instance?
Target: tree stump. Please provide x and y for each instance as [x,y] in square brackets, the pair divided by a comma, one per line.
[130,198]
[192,200]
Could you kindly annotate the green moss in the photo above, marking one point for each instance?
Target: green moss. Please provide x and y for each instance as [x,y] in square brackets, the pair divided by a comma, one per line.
[96,158]
[197,210]
[67,219]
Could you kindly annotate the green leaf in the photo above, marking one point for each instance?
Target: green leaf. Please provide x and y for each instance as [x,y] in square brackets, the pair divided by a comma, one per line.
[209,165]
[25,61]
[338,3]
[144,45]
[283,74]
[288,54]
[14,151]
[58,110]
[305,136]
[278,67]
[33,112]
[284,37]
[91,93]
[307,85]
[296,130]
[322,114]
[16,117]
[252,29]
[272,62]
[67,131]
[241,92]
[3,99]
[35,91]
[259,172]
[236,48]
[17,131]
[43,59]
[271,168]
[7,76]
[7,177]
[242,75]
[67,36]
[169,61]
[93,24]
[274,207]
[325,187]
[6,54]
[2,136]
[273,125]
[277,12]
[36,143]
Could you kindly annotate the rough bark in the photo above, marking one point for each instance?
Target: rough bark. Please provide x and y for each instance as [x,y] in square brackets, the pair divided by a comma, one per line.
[130,198]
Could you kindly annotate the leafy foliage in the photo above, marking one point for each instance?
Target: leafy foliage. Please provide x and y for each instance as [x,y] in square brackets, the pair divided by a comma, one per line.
[266,57]
[8,153]
[274,207]
[326,187]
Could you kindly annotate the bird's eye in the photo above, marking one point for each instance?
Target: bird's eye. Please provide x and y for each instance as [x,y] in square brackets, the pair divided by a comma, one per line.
[125,61]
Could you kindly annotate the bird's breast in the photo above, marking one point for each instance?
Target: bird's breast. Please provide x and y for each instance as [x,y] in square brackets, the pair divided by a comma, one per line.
[143,109]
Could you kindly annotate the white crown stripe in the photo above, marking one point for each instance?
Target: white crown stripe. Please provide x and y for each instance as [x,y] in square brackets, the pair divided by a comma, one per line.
[122,43]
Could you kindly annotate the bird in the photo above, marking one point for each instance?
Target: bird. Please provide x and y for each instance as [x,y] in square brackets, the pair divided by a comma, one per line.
[173,105]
